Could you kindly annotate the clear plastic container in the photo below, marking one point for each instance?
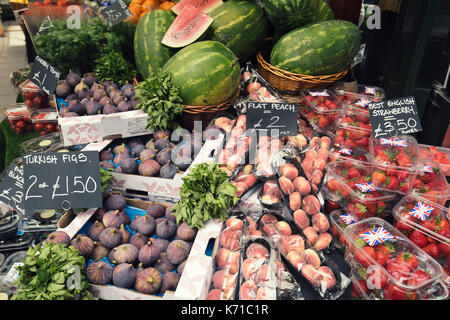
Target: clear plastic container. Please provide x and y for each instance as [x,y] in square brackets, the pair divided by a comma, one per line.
[18,117]
[320,108]
[437,154]
[356,96]
[396,161]
[353,130]
[45,122]
[394,267]
[427,225]
[431,183]
[340,220]
[338,153]
[35,98]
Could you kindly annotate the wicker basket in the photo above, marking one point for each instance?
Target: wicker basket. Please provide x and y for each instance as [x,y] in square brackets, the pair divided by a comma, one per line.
[288,83]
[204,113]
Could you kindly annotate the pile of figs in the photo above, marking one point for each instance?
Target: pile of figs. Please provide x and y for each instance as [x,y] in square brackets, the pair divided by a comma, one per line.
[85,96]
[147,253]
[153,155]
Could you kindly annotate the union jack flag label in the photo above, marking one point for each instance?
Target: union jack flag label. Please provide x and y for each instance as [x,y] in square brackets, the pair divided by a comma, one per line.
[348,219]
[376,236]
[421,211]
[363,103]
[428,169]
[365,187]
[370,90]
[318,93]
[346,151]
[393,142]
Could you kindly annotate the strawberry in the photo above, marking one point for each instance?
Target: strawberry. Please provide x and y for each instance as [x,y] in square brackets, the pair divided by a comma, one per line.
[404,187]
[357,210]
[444,249]
[418,277]
[376,278]
[432,249]
[378,178]
[418,238]
[393,183]
[323,122]
[398,270]
[409,259]
[361,256]
[384,253]
[393,292]
[353,173]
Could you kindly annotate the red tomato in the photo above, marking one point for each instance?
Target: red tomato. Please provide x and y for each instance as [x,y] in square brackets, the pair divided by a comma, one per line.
[39,126]
[50,127]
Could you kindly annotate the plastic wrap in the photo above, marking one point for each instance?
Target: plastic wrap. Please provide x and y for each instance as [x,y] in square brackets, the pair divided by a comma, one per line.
[357,96]
[437,154]
[431,183]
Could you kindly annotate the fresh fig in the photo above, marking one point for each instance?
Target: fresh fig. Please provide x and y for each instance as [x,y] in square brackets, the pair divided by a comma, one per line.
[70,114]
[129,166]
[148,281]
[124,275]
[149,168]
[112,219]
[145,225]
[155,210]
[161,244]
[177,251]
[150,145]
[58,237]
[137,149]
[166,229]
[93,107]
[147,154]
[123,106]
[83,94]
[163,156]
[110,108]
[121,156]
[181,267]
[161,144]
[99,94]
[186,233]
[106,155]
[104,101]
[168,171]
[126,253]
[80,87]
[99,273]
[161,134]
[73,78]
[148,253]
[107,165]
[169,282]
[126,86]
[125,234]
[121,148]
[163,264]
[111,237]
[183,163]
[63,89]
[77,107]
[169,213]
[115,202]
[84,245]
[90,80]
[71,97]
[100,251]
[138,240]
[95,230]
[129,93]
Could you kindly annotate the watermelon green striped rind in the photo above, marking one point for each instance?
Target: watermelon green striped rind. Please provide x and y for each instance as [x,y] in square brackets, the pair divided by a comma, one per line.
[187,27]
[324,12]
[205,5]
[206,72]
[290,14]
[240,25]
[322,48]
[150,55]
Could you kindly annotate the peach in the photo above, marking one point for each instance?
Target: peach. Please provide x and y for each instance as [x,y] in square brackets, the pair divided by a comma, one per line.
[307,166]
[271,230]
[223,280]
[310,204]
[228,172]
[323,241]
[241,121]
[241,188]
[264,169]
[320,222]
[289,171]
[270,199]
[302,185]
[221,121]
[295,259]
[247,169]
[325,142]
[319,164]
[322,154]
[251,224]
[311,257]
[248,291]
[261,274]
[314,188]
[311,274]
[311,154]
[250,180]
[295,201]
[286,185]
[250,266]
[230,239]
[228,260]
[292,243]
[311,234]
[301,219]
[268,219]
[284,228]
[257,251]
[234,223]
[327,276]
[271,187]
[215,294]
[240,177]
[316,177]
[256,233]
[315,141]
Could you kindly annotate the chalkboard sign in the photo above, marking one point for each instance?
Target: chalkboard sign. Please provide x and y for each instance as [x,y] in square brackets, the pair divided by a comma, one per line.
[394,117]
[11,188]
[269,116]
[44,75]
[62,180]
[115,13]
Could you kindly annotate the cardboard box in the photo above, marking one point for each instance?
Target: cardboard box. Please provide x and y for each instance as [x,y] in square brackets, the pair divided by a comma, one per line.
[195,281]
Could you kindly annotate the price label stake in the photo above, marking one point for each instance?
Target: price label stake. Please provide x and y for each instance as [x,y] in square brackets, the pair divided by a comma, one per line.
[394,117]
[11,188]
[268,116]
[115,13]
[44,75]
[62,180]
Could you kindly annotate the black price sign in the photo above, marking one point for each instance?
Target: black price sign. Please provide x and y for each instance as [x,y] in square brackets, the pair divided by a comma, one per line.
[11,188]
[394,117]
[269,116]
[62,180]
[115,13]
[44,75]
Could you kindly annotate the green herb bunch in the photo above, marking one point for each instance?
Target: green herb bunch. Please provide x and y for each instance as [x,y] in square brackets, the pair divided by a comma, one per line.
[45,273]
[161,100]
[206,194]
[113,67]
[105,178]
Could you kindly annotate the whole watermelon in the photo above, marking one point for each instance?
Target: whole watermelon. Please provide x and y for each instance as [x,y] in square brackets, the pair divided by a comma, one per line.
[206,72]
[150,55]
[240,25]
[290,14]
[322,48]
[324,12]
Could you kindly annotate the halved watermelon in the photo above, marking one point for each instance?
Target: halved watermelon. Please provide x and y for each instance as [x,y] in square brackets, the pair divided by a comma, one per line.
[205,5]
[187,27]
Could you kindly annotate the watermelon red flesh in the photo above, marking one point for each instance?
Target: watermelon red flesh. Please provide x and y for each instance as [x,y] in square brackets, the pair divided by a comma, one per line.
[187,27]
[205,5]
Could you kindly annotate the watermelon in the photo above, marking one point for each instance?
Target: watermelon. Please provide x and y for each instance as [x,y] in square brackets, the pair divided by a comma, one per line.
[290,14]
[322,48]
[240,25]
[205,5]
[206,72]
[324,12]
[187,27]
[150,55]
